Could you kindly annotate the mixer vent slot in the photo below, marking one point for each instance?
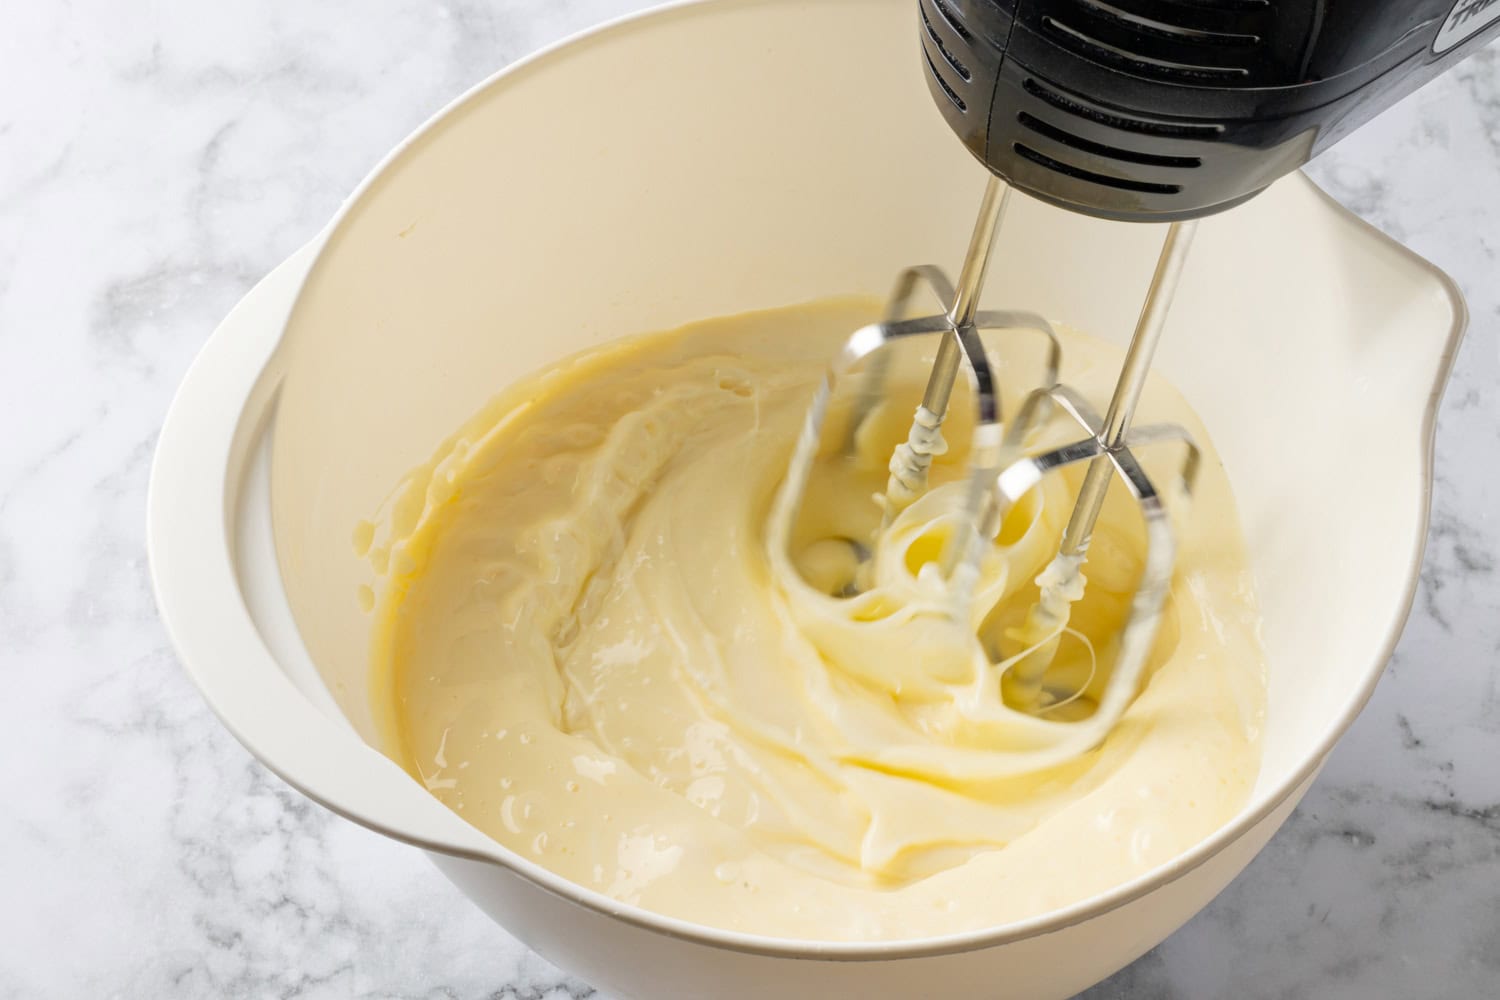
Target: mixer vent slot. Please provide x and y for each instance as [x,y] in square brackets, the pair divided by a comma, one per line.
[1102,51]
[948,15]
[1099,149]
[953,60]
[958,102]
[1140,126]
[1161,29]
[1067,169]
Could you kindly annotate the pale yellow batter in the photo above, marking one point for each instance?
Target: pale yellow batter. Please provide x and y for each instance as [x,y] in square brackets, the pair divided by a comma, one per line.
[587,649]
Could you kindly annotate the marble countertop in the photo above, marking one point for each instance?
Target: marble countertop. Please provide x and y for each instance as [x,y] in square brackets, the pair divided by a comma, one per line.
[156,159]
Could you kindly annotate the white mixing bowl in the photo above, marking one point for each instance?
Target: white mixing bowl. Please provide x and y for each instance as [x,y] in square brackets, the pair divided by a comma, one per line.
[710,158]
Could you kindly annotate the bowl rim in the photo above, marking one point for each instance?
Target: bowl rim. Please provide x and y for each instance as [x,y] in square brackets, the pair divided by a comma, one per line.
[161,513]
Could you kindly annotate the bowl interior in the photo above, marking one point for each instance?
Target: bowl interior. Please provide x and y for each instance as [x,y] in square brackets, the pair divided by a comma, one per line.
[714,158]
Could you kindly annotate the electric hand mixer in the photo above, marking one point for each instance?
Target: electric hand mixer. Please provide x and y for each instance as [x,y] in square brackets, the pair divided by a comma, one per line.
[1130,110]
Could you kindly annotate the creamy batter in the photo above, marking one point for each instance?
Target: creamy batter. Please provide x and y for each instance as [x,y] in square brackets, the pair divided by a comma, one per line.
[586,647]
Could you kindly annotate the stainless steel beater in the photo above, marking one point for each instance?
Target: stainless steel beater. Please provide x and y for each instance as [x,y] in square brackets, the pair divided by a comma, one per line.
[1002,473]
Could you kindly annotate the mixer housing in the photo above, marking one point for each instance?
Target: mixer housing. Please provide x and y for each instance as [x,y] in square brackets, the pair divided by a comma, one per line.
[1160,110]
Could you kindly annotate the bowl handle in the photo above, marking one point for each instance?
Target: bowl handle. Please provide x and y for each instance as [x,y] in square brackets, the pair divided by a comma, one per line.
[205,444]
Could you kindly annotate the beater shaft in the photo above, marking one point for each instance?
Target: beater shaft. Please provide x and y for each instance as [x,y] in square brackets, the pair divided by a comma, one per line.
[977,258]
[1128,388]
[913,457]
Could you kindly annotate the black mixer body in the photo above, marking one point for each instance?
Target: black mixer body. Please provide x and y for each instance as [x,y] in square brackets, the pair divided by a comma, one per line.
[1163,110]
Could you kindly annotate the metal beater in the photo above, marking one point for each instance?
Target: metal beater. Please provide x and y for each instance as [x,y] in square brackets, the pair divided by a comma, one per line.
[1001,472]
